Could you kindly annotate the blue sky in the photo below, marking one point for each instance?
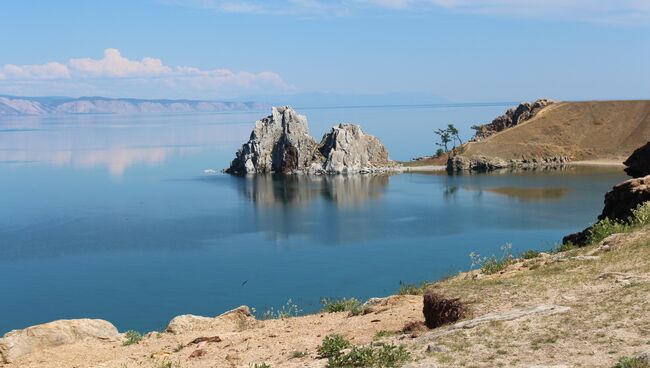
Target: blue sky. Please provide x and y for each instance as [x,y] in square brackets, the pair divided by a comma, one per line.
[460,50]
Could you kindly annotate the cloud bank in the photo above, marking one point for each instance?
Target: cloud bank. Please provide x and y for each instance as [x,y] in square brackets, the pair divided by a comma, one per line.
[617,11]
[114,74]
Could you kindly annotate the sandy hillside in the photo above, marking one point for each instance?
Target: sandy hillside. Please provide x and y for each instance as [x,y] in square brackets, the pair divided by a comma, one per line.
[586,307]
[594,130]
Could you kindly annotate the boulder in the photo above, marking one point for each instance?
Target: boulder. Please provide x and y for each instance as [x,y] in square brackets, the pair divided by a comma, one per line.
[18,343]
[279,143]
[225,322]
[638,164]
[347,149]
[624,197]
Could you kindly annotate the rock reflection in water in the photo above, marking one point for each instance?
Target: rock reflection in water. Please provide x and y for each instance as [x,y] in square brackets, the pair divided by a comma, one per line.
[297,190]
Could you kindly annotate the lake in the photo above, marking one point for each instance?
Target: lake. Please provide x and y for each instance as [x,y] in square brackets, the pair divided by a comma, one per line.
[113,217]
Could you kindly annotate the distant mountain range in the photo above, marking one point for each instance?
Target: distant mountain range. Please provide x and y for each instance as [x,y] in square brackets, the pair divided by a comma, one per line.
[12,105]
[15,105]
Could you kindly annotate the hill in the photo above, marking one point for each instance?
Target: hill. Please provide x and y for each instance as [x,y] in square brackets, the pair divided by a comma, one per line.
[565,132]
[12,105]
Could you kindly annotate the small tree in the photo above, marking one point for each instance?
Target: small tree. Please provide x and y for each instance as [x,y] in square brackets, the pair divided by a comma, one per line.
[444,136]
[440,152]
[453,132]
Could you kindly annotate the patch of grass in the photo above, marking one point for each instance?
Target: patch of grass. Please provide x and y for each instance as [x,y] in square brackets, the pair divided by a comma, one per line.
[351,305]
[290,309]
[384,333]
[627,362]
[372,356]
[260,365]
[298,354]
[332,346]
[564,247]
[412,289]
[132,337]
[529,254]
[493,264]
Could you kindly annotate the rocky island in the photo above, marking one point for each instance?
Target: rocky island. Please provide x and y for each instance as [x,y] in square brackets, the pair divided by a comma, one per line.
[280,143]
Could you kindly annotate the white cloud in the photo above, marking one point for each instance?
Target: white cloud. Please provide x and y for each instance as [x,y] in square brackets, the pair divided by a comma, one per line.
[615,11]
[52,70]
[115,65]
[117,75]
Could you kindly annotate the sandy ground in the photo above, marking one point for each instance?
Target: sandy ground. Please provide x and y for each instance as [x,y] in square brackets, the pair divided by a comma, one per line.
[598,163]
[607,295]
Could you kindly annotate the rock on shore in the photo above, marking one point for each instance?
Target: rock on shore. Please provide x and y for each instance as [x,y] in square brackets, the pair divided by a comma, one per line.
[18,343]
[638,164]
[280,143]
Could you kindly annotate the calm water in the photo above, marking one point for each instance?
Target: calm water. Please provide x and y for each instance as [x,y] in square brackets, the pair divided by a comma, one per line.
[113,217]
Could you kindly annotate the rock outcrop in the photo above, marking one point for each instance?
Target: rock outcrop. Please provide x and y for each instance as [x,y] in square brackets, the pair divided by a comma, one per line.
[624,197]
[347,149]
[228,321]
[458,163]
[18,343]
[511,118]
[280,143]
[638,164]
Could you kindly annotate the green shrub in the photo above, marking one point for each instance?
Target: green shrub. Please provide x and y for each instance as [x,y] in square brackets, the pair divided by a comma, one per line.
[529,254]
[332,346]
[440,152]
[132,337]
[605,228]
[351,305]
[626,362]
[371,356]
[640,215]
[298,354]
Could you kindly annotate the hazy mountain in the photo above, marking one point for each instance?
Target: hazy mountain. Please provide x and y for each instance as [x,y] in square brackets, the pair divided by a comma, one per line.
[329,99]
[12,105]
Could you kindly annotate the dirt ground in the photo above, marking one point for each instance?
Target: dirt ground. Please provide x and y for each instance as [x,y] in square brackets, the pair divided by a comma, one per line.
[608,316]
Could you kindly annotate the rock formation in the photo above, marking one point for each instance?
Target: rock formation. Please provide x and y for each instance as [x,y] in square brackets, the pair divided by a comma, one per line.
[226,322]
[18,343]
[280,143]
[638,164]
[457,163]
[511,118]
[625,196]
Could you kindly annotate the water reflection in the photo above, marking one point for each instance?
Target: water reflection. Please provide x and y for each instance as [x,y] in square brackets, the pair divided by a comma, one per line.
[530,194]
[298,190]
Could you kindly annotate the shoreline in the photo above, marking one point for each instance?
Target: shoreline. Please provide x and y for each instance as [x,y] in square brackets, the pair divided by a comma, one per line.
[514,308]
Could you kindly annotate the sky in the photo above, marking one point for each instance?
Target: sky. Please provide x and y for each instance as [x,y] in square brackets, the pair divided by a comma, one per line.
[454,50]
